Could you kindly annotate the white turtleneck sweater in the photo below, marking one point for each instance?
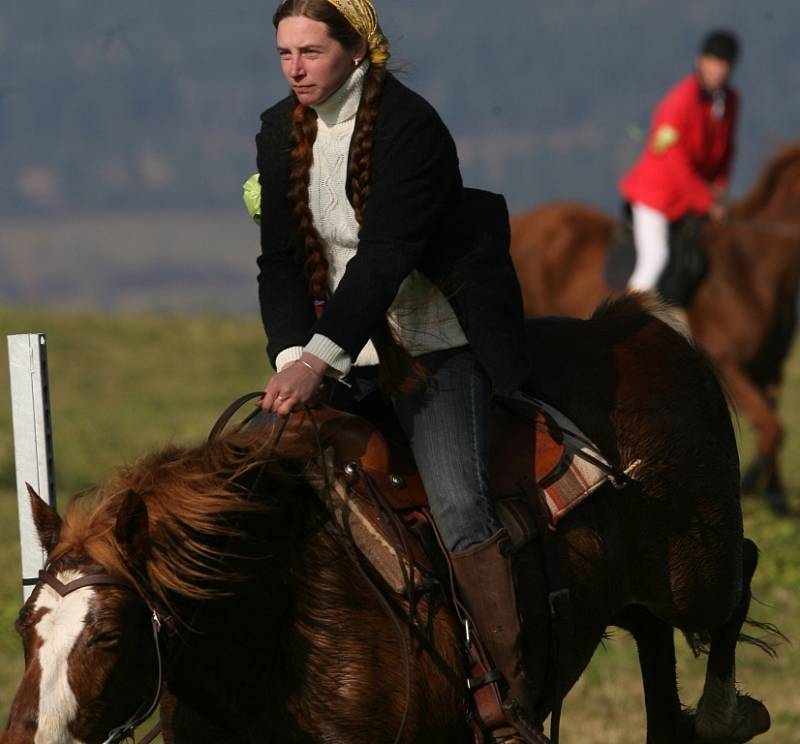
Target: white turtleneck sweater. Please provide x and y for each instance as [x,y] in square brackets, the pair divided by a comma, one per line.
[421,316]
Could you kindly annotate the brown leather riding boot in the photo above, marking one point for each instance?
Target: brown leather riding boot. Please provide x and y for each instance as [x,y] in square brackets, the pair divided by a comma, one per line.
[485,581]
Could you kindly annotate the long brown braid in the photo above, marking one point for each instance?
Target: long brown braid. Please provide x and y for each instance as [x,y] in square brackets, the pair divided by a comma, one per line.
[304,132]
[398,369]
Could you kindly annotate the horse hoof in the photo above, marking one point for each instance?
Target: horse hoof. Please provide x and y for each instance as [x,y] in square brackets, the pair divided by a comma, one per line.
[752,719]
[755,719]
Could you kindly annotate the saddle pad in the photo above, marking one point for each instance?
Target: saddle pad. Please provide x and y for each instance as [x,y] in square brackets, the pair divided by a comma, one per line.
[580,481]
[582,470]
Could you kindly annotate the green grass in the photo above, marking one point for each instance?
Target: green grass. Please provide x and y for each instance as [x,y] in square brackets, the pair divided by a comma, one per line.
[124,384]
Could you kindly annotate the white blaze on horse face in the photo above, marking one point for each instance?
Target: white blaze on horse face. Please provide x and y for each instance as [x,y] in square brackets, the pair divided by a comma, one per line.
[58,628]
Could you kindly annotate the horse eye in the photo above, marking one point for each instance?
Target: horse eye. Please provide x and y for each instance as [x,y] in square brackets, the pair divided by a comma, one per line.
[107,640]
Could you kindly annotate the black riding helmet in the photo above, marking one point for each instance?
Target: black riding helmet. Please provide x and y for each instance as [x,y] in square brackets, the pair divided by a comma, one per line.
[721,44]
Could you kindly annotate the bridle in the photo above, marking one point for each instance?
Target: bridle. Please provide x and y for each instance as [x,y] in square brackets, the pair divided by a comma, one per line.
[107,578]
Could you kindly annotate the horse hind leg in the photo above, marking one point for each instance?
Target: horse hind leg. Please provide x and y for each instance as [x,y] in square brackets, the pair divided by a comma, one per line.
[760,407]
[667,722]
[723,715]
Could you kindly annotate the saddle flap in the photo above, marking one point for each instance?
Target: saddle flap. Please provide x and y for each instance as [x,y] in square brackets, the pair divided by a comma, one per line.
[566,465]
[525,441]
[354,496]
[550,453]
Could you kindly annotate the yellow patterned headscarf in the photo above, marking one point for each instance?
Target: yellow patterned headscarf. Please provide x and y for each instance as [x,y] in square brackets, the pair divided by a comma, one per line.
[363,17]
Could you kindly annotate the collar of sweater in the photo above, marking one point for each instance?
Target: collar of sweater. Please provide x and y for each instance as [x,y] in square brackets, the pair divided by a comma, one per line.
[343,104]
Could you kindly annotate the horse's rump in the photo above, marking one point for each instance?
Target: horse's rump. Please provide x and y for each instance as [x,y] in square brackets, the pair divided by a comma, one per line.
[638,387]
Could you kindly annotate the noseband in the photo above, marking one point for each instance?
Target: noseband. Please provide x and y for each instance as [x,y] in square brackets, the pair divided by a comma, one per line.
[106,578]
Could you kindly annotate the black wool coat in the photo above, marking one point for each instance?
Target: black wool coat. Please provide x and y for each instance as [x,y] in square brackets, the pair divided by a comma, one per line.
[418,216]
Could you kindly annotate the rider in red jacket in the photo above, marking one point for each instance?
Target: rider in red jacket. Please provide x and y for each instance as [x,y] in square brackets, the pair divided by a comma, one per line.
[685,167]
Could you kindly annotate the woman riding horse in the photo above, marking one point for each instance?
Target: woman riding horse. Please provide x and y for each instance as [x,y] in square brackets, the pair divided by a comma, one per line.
[362,282]
[273,631]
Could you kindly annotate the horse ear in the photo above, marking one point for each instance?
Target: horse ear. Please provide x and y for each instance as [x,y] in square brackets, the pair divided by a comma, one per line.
[46,519]
[132,529]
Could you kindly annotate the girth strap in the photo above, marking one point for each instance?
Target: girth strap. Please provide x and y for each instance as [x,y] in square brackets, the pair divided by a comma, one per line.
[561,627]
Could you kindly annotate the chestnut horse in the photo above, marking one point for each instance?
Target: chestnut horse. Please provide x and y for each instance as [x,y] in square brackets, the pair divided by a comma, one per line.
[743,314]
[276,633]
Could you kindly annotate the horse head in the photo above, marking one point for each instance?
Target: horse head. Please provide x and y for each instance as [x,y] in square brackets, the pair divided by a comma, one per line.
[90,659]
[144,544]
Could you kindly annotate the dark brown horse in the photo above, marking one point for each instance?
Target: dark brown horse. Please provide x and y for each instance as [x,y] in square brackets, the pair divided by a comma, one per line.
[744,313]
[276,633]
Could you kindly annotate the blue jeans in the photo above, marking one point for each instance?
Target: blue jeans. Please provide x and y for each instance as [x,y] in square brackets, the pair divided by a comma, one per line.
[446,421]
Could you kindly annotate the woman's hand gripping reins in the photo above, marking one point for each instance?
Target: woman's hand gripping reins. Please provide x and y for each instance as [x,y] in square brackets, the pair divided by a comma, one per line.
[297,384]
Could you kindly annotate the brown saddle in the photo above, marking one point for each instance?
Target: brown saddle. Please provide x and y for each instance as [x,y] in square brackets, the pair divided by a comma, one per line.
[540,469]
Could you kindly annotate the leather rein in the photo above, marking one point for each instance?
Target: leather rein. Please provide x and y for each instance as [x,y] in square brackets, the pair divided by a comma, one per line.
[146,709]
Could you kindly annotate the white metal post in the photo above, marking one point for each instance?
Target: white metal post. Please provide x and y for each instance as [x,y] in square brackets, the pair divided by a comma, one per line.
[33,442]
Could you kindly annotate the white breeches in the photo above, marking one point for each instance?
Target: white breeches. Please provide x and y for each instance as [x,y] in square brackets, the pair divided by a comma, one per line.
[651,235]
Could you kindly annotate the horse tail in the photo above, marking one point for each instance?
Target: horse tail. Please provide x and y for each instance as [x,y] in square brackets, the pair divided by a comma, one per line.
[772,638]
[769,637]
[768,640]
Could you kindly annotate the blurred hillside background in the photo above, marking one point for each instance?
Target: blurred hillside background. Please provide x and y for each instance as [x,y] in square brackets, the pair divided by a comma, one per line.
[126,128]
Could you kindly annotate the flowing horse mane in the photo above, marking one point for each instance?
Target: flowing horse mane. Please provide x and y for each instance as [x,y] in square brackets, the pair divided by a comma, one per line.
[769,179]
[195,498]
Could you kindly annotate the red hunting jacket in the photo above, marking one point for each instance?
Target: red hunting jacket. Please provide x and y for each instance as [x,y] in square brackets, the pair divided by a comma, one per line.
[689,149]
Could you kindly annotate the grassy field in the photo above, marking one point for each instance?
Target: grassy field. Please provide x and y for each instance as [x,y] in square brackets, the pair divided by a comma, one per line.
[122,385]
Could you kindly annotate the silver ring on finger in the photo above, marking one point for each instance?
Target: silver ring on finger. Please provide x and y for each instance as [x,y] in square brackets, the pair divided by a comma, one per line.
[281,397]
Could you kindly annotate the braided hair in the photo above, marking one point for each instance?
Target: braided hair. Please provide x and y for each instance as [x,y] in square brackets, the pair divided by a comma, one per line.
[398,369]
